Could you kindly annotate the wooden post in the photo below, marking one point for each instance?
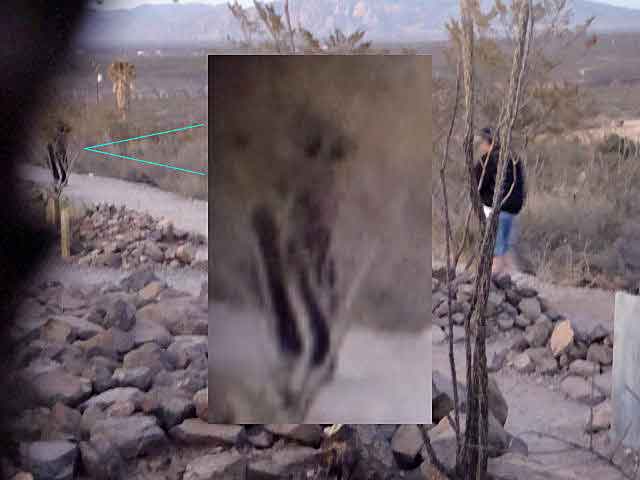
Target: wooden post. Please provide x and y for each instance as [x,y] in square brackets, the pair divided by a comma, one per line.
[625,397]
[65,230]
[53,210]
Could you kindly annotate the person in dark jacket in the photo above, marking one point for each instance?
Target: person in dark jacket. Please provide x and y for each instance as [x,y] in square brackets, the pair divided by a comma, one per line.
[513,199]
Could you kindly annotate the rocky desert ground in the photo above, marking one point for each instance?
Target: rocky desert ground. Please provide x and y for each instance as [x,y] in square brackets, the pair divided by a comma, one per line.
[111,359]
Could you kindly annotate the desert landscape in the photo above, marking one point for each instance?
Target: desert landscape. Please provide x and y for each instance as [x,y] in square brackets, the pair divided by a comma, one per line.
[111,342]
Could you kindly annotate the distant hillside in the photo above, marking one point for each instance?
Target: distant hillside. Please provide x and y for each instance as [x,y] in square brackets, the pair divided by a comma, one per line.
[384,20]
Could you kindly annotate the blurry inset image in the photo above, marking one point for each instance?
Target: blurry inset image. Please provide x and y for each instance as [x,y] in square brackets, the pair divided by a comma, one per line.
[320,239]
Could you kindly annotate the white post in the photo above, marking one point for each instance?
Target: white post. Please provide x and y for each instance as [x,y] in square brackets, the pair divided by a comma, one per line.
[626,371]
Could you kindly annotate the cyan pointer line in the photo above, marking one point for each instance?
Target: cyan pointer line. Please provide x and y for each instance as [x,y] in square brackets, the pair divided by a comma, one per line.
[94,149]
[89,149]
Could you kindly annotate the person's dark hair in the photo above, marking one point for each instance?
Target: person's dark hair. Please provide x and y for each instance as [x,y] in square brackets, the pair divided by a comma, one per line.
[489,135]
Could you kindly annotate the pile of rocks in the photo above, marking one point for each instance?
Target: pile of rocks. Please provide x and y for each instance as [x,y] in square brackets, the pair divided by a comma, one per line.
[109,236]
[511,310]
[109,372]
[540,341]
[123,238]
[113,382]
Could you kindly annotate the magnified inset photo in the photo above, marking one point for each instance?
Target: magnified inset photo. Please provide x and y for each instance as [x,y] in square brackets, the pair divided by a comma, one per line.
[320,239]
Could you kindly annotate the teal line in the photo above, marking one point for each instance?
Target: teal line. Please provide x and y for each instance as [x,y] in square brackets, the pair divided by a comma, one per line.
[147,136]
[91,149]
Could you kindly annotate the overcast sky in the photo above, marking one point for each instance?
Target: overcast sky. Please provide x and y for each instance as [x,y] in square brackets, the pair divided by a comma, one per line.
[135,3]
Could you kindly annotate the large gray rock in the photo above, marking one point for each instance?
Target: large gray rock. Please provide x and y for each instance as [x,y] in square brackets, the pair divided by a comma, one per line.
[120,313]
[188,381]
[599,353]
[259,437]
[149,293]
[523,363]
[73,359]
[505,321]
[538,333]
[119,394]
[80,327]
[288,461]
[442,397]
[149,355]
[170,407]
[201,401]
[139,377]
[443,439]
[603,382]
[101,459]
[57,385]
[63,424]
[187,347]
[148,331]
[132,436]
[579,389]
[561,338]
[50,460]
[602,417]
[111,343]
[57,332]
[543,359]
[374,443]
[181,316]
[584,368]
[530,308]
[406,445]
[100,372]
[186,253]
[194,431]
[90,417]
[213,467]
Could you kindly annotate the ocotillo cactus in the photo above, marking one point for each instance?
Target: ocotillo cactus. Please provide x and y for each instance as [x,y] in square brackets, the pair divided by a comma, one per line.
[60,165]
[122,74]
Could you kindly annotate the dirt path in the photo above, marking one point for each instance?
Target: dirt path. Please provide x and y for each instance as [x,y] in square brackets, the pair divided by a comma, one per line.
[185,213]
[536,404]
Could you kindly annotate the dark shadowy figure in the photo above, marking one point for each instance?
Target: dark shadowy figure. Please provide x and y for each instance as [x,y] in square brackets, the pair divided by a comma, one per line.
[58,158]
[35,35]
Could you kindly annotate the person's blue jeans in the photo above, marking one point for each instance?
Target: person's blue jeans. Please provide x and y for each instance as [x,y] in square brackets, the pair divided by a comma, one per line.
[504,233]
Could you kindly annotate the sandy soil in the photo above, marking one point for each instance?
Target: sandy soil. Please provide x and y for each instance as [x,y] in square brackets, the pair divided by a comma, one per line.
[536,404]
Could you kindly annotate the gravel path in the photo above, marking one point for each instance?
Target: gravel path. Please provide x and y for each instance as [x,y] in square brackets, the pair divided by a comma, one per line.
[535,403]
[186,214]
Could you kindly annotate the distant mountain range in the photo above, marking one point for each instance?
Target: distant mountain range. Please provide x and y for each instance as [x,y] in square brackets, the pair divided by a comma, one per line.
[384,20]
